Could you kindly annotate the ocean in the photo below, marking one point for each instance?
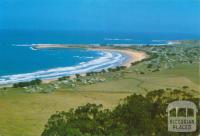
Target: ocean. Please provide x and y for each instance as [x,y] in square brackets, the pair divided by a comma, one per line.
[19,62]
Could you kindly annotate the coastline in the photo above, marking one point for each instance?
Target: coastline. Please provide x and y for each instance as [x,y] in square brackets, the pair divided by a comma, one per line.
[133,56]
[130,57]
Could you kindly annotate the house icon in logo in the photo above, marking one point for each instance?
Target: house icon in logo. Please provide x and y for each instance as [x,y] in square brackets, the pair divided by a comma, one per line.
[182,116]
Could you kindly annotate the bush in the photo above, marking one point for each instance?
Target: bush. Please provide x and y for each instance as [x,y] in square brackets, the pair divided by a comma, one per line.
[137,115]
[25,84]
[142,73]
[77,75]
[63,78]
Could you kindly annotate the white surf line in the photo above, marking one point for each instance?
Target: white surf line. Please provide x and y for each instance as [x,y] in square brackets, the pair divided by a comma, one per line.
[109,59]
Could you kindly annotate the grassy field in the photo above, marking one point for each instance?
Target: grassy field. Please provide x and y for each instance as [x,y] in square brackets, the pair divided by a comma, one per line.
[25,114]
[131,81]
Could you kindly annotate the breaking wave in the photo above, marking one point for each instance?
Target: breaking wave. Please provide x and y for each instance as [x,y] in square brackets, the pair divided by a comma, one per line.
[117,39]
[108,59]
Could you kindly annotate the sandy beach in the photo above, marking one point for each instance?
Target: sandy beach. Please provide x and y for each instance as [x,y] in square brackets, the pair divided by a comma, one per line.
[133,56]
[124,57]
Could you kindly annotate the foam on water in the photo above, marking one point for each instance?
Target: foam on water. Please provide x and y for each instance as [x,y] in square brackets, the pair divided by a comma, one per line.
[108,59]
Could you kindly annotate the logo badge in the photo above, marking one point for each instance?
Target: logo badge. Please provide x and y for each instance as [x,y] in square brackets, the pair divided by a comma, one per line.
[182,116]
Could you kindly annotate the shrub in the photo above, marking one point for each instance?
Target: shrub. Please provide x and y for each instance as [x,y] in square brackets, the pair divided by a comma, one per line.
[25,84]
[63,78]
[77,75]
[136,115]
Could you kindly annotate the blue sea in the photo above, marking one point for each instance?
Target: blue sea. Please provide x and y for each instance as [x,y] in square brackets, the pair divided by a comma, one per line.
[19,62]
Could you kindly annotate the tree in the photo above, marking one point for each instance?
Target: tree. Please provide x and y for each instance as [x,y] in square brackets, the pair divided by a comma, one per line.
[63,78]
[77,75]
[136,115]
[24,84]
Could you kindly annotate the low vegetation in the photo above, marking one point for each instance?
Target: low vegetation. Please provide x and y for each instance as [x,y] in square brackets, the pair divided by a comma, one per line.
[26,107]
[136,115]
[25,84]
[168,56]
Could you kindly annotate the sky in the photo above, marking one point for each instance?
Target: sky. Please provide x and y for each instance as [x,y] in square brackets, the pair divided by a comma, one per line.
[180,16]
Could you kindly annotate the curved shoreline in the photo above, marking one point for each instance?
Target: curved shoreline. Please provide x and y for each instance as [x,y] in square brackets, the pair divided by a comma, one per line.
[134,56]
[111,58]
